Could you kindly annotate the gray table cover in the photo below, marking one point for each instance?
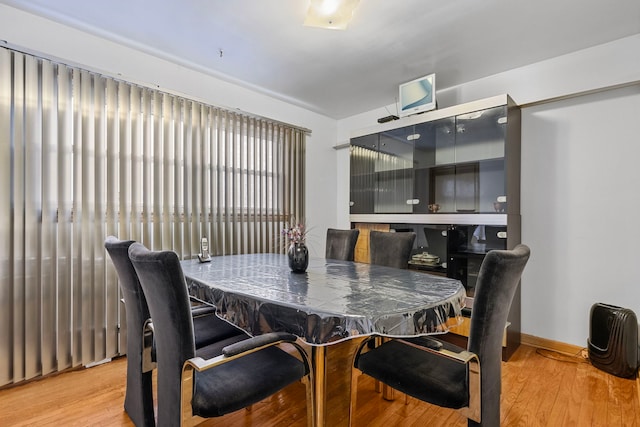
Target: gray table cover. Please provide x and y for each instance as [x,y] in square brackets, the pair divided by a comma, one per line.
[333,300]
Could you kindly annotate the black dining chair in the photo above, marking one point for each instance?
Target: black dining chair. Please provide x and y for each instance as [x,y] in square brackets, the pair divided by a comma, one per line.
[209,329]
[391,249]
[443,374]
[190,387]
[341,244]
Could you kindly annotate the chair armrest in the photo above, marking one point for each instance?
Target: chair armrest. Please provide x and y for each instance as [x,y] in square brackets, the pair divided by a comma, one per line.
[434,346]
[245,347]
[203,310]
[258,342]
[232,352]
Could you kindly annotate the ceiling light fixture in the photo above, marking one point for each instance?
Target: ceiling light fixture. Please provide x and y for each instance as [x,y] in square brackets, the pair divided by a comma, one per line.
[330,14]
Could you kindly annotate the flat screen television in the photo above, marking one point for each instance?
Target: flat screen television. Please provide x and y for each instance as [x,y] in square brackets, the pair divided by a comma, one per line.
[417,96]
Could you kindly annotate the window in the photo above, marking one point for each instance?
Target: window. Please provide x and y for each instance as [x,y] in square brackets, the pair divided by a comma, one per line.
[84,156]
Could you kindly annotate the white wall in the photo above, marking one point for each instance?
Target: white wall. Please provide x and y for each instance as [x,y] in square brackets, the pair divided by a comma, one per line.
[580,211]
[41,36]
[580,201]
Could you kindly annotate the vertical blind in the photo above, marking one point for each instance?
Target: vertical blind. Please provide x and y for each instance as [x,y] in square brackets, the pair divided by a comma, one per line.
[83,156]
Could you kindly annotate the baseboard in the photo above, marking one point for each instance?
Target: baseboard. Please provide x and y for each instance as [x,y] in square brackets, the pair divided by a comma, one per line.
[547,344]
[561,347]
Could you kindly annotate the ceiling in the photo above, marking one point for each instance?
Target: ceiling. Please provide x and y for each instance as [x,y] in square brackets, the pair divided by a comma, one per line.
[262,44]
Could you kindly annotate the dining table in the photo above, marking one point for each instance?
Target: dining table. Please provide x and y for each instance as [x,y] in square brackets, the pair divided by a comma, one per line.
[332,307]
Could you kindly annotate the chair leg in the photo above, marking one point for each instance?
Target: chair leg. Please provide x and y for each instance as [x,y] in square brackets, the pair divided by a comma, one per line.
[308,382]
[355,374]
[187,419]
[185,396]
[379,388]
[474,411]
[138,402]
[388,392]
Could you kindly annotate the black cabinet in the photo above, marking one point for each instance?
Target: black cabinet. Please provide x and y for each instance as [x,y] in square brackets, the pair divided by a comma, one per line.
[459,251]
[363,182]
[382,169]
[466,247]
[453,176]
[453,164]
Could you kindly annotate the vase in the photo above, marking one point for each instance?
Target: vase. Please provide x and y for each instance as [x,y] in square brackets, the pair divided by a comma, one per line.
[298,257]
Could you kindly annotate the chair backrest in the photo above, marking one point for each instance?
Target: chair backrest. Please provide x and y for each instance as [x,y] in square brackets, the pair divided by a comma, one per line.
[164,287]
[496,285]
[391,249]
[139,394]
[136,307]
[341,244]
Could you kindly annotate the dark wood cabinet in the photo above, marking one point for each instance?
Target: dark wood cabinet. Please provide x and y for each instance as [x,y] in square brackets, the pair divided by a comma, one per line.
[451,175]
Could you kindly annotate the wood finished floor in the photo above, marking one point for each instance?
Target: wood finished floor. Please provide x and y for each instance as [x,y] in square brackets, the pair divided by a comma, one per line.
[538,390]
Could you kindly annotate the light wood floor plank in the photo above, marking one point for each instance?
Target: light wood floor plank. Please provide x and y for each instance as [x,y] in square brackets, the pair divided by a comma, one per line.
[563,397]
[622,395]
[577,398]
[515,376]
[546,376]
[537,390]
